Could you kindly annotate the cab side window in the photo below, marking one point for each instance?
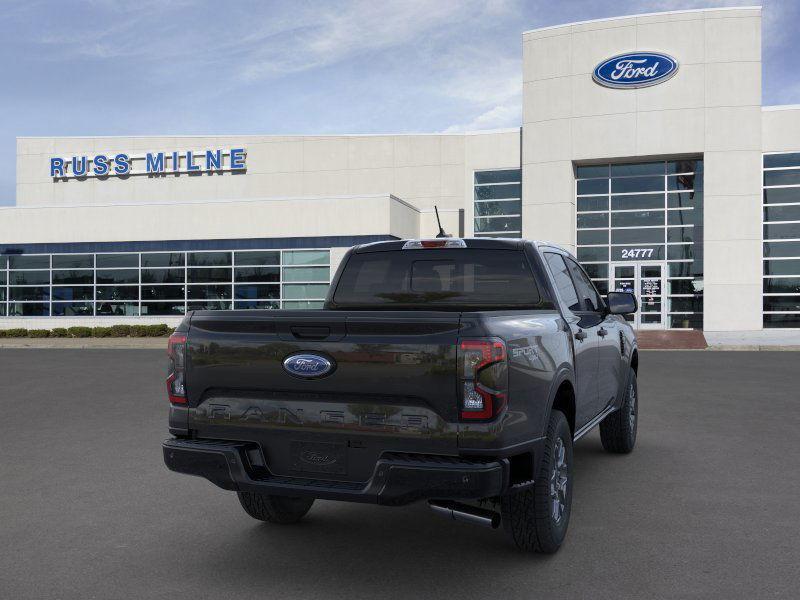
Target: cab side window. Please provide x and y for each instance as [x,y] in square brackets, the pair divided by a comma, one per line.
[564,286]
[589,298]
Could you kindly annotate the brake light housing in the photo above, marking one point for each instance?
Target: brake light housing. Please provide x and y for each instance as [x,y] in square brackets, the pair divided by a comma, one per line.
[434,243]
[176,378]
[483,378]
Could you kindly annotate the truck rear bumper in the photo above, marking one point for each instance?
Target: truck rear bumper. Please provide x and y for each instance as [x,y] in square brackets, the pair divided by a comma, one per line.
[397,479]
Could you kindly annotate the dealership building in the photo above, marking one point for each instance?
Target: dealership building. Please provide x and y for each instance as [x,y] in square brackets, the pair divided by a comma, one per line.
[644,148]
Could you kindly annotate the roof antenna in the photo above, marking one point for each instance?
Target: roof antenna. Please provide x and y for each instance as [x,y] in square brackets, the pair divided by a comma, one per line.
[441,233]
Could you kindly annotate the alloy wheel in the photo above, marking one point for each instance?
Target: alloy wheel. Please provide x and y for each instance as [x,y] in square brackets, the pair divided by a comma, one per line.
[559,477]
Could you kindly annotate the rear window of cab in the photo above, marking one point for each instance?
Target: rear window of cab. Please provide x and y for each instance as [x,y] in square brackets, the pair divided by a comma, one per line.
[462,278]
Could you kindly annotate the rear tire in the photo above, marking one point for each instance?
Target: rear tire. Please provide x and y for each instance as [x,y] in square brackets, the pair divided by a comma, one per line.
[274,509]
[537,517]
[618,430]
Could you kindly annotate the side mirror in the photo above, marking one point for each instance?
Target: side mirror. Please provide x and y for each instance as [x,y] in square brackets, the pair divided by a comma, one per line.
[621,303]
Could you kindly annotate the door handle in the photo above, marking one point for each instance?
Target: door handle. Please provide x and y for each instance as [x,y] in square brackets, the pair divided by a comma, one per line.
[580,335]
[602,332]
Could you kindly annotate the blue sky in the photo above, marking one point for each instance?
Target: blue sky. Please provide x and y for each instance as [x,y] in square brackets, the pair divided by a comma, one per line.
[151,67]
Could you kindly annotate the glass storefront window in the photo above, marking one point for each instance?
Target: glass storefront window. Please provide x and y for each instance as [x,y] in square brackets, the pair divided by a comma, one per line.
[781,248]
[160,283]
[306,273]
[491,225]
[257,305]
[308,291]
[209,259]
[498,203]
[637,202]
[636,184]
[73,277]
[499,176]
[73,261]
[117,292]
[208,275]
[29,293]
[251,291]
[117,276]
[591,203]
[257,274]
[646,211]
[162,308]
[257,258]
[498,208]
[591,171]
[40,261]
[117,309]
[84,292]
[163,259]
[72,309]
[210,305]
[28,309]
[163,276]
[593,220]
[303,305]
[115,261]
[787,195]
[29,278]
[163,292]
[306,257]
[208,292]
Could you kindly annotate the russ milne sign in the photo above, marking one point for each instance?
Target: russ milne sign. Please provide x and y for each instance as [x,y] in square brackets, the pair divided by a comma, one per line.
[635,70]
[151,163]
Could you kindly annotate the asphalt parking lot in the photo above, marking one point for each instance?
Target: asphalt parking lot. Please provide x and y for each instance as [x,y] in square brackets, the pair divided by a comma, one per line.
[708,506]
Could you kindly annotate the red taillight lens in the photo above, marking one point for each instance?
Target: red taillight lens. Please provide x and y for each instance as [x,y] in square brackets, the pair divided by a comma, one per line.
[176,380]
[484,378]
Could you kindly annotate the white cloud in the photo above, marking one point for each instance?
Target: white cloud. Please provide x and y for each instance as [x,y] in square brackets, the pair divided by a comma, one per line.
[497,117]
[338,32]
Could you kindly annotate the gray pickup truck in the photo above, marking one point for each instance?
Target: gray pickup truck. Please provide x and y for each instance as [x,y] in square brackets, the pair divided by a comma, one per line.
[455,371]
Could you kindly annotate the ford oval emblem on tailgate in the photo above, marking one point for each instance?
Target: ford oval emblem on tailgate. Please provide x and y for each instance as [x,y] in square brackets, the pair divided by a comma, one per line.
[307,365]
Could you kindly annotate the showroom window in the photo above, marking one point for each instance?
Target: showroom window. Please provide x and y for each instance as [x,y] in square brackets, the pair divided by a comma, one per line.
[130,284]
[640,228]
[498,203]
[781,300]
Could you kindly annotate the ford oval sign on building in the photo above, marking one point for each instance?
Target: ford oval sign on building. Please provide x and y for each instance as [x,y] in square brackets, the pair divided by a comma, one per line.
[635,70]
[307,366]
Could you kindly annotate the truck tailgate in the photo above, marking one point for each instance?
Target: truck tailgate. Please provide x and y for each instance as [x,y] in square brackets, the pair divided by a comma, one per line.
[393,387]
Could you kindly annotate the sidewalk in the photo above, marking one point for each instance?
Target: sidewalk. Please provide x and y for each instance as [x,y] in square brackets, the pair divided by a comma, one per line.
[766,339]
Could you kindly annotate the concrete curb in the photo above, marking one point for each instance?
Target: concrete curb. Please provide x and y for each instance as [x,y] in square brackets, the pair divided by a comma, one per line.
[754,347]
[85,343]
[729,348]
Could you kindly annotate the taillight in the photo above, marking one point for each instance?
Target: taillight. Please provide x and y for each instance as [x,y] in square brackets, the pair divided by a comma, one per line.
[176,380]
[484,378]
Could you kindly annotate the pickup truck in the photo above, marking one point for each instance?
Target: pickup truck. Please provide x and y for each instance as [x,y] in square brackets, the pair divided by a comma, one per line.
[453,371]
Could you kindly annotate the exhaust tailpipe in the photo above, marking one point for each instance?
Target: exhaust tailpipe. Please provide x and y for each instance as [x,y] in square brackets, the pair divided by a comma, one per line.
[466,513]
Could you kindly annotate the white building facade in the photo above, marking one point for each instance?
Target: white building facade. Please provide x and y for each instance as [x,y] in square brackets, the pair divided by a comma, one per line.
[672,181]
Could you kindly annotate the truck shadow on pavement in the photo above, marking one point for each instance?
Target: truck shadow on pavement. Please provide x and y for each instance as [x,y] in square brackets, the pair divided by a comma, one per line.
[360,550]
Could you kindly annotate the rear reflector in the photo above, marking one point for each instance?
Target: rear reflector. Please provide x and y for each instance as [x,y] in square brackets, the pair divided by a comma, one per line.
[435,243]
